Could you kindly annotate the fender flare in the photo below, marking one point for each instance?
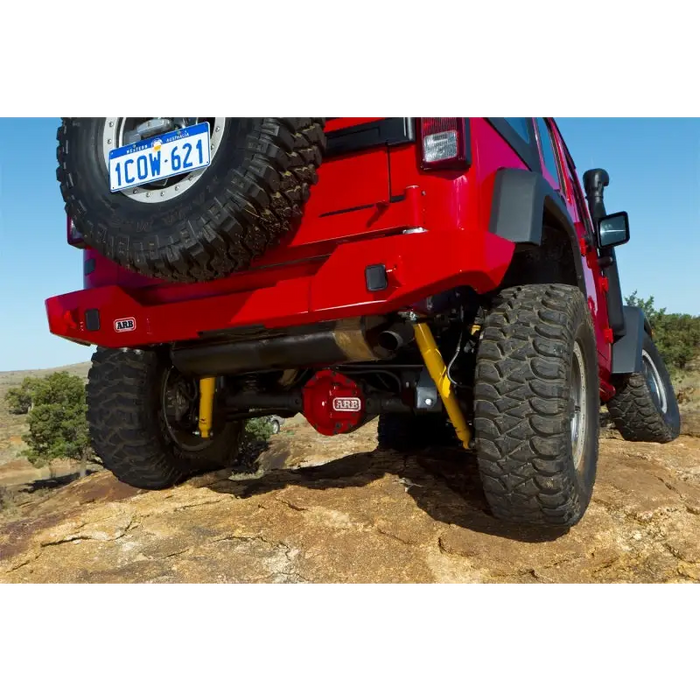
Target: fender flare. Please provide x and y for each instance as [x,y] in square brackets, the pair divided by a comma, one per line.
[520,200]
[627,350]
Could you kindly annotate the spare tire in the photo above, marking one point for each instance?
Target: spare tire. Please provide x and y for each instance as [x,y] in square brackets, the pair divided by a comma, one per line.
[203,225]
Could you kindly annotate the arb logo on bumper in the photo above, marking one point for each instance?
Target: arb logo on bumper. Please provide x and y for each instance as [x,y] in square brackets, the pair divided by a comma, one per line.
[125,325]
[347,405]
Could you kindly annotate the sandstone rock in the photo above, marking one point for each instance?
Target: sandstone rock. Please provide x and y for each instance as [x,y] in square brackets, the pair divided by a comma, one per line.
[339,511]
[690,423]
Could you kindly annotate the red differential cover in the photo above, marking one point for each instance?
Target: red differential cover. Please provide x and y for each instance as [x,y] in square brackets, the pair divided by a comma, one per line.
[333,403]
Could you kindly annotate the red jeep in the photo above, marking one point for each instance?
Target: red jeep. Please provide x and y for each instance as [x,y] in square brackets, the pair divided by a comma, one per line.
[444,274]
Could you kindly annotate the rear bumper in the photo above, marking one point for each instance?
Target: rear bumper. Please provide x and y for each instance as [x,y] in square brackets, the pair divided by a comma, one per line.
[334,287]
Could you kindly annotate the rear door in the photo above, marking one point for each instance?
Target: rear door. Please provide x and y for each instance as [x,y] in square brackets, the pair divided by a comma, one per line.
[556,157]
[356,172]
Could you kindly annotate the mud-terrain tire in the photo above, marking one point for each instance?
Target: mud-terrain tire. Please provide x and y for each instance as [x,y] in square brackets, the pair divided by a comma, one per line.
[231,213]
[409,432]
[536,362]
[128,429]
[645,408]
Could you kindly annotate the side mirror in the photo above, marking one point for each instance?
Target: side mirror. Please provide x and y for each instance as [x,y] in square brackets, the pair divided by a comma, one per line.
[613,230]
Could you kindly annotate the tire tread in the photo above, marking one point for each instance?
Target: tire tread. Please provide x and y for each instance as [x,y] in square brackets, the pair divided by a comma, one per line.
[125,430]
[634,412]
[249,215]
[522,427]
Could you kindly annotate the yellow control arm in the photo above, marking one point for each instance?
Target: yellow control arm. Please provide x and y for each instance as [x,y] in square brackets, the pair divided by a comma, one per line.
[438,371]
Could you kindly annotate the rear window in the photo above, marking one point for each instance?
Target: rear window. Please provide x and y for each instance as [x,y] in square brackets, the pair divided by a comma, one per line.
[521,127]
[548,154]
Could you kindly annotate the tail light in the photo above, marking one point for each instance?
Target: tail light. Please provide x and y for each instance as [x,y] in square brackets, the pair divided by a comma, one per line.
[444,142]
[73,236]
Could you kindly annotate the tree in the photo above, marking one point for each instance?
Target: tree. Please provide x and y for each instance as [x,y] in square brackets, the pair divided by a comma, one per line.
[20,399]
[647,306]
[57,422]
[677,336]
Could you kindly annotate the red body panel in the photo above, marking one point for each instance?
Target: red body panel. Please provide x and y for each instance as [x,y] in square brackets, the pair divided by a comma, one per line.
[357,216]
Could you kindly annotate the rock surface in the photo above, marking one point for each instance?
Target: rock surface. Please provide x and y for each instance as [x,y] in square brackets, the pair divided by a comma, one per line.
[336,510]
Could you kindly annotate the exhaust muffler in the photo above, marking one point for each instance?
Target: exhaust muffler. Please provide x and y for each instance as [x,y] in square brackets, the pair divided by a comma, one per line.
[340,342]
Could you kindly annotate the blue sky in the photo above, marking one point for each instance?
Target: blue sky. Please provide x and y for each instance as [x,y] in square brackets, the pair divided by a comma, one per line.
[654,165]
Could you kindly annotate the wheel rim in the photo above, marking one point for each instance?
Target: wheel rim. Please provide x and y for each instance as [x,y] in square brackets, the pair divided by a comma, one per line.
[653,380]
[579,403]
[120,131]
[275,427]
[180,411]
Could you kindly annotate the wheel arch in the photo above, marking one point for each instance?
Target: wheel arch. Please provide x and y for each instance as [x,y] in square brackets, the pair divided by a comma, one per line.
[627,350]
[527,211]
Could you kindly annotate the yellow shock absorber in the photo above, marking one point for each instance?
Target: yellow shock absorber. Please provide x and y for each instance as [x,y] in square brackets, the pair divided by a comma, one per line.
[437,370]
[207,388]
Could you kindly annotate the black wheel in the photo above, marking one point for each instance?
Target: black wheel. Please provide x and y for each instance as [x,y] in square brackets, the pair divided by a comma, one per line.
[405,432]
[537,403]
[203,225]
[645,408]
[275,424]
[143,416]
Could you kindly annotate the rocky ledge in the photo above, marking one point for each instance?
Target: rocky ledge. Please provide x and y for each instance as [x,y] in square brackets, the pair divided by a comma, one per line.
[337,510]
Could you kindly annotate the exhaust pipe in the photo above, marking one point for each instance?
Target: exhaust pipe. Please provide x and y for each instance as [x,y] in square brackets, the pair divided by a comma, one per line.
[351,340]
[393,339]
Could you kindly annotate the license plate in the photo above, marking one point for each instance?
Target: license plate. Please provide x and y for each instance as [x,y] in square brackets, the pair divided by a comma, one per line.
[160,157]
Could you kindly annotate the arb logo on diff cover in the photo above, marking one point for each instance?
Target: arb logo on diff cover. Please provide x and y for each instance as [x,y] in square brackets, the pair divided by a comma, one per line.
[125,325]
[347,404]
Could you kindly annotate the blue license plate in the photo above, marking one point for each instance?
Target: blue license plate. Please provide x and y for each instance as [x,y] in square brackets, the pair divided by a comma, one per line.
[160,157]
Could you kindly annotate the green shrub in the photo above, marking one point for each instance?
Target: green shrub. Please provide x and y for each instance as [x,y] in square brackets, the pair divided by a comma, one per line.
[677,336]
[57,417]
[258,430]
